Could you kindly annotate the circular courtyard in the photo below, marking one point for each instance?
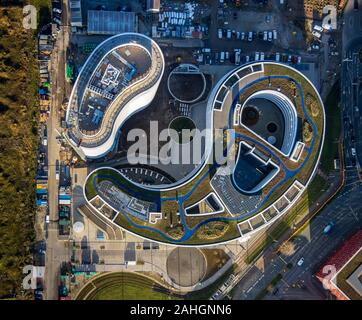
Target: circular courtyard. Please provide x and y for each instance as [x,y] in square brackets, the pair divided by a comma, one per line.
[186,266]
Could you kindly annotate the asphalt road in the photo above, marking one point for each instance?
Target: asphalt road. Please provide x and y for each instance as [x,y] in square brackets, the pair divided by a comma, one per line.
[346,212]
[56,251]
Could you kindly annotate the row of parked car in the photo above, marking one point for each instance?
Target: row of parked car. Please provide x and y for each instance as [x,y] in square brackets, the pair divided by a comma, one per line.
[247,36]
[57,12]
[206,56]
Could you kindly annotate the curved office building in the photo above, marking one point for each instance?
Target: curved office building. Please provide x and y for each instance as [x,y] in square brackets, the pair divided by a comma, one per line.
[119,78]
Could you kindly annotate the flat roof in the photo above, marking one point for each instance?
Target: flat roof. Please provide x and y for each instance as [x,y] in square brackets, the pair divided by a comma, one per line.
[111,22]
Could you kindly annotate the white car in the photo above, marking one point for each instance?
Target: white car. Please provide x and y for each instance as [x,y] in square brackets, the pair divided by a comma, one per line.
[250,36]
[275,34]
[265,37]
[316,34]
[261,56]
[318,28]
[256,56]
[299,60]
[270,36]
[242,36]
[300,262]
[57,21]
[353,151]
[219,33]
[277,57]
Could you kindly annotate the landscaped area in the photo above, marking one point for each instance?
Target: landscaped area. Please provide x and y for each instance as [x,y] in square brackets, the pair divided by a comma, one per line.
[174,226]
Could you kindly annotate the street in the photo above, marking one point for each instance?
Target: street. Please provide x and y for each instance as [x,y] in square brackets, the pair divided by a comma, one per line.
[56,251]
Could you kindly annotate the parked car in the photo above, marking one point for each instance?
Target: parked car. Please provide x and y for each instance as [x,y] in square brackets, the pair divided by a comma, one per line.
[275,34]
[256,56]
[353,152]
[250,36]
[318,28]
[277,57]
[316,34]
[262,56]
[57,21]
[219,33]
[222,56]
[270,36]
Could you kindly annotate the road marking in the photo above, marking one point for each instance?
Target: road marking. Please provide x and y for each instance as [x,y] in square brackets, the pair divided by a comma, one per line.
[353,213]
